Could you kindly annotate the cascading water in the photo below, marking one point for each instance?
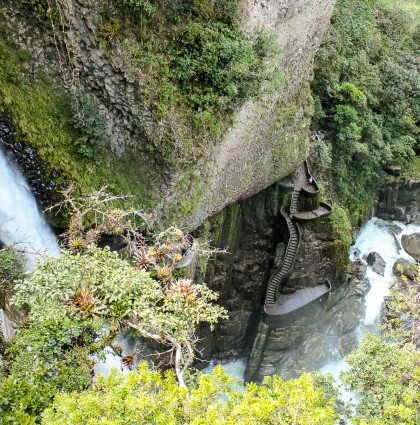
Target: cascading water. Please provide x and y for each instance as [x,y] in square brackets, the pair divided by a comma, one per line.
[21,223]
[376,236]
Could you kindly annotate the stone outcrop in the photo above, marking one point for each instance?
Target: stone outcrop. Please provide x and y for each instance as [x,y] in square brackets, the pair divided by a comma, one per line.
[377,262]
[255,235]
[400,201]
[411,245]
[265,141]
[404,267]
[306,341]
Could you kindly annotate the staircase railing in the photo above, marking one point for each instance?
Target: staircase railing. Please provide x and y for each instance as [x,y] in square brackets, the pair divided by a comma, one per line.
[288,261]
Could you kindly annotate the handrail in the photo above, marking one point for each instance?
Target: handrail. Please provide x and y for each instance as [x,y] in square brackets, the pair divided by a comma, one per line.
[282,272]
[273,308]
[292,305]
[315,188]
[323,210]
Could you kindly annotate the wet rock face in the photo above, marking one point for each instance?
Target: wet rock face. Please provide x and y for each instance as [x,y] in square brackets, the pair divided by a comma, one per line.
[307,342]
[400,201]
[377,262]
[265,141]
[43,183]
[316,260]
[249,231]
[255,235]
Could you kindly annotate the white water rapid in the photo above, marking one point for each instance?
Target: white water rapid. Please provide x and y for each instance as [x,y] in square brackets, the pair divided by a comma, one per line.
[21,223]
[374,237]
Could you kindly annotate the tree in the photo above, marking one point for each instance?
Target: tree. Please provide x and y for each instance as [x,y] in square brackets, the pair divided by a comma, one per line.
[100,285]
[145,397]
[388,378]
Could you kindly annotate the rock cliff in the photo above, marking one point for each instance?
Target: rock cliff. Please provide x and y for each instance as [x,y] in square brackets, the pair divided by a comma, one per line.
[255,235]
[400,201]
[264,142]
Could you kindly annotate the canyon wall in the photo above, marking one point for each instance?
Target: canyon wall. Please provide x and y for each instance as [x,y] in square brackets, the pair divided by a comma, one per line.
[266,138]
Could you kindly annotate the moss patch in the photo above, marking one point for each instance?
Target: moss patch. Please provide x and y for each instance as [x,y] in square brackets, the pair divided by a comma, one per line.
[39,110]
[342,236]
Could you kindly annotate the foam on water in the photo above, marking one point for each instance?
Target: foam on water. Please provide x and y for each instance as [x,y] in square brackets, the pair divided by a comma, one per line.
[374,237]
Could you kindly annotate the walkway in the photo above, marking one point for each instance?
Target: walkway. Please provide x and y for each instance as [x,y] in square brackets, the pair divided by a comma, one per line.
[288,262]
[279,305]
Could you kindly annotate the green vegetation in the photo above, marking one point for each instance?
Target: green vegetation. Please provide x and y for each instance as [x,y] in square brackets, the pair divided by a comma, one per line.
[90,123]
[68,138]
[146,397]
[367,96]
[197,65]
[402,310]
[11,268]
[388,379]
[386,372]
[44,359]
[46,370]
[342,236]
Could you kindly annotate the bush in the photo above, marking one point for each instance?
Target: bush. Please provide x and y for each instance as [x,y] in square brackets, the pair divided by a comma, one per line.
[41,360]
[148,398]
[90,122]
[11,268]
[388,378]
[367,94]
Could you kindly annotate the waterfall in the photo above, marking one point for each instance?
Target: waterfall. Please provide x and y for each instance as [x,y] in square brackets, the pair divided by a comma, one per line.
[374,237]
[21,223]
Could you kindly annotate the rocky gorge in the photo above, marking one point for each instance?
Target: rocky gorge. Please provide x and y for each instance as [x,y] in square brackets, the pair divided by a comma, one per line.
[230,190]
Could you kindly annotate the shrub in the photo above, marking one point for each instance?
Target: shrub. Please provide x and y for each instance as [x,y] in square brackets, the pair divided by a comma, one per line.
[90,122]
[367,94]
[388,378]
[11,268]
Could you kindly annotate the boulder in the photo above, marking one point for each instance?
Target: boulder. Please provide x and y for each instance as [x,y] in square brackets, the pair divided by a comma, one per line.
[404,267]
[411,245]
[377,262]
[393,170]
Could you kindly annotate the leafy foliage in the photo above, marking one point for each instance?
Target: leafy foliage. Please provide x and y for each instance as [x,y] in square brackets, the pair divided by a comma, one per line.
[90,123]
[388,378]
[403,310]
[43,359]
[367,94]
[41,115]
[11,268]
[387,372]
[99,283]
[195,64]
[146,397]
[123,291]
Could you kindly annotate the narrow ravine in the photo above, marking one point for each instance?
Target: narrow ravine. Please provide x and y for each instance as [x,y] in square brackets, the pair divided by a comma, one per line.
[376,236]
